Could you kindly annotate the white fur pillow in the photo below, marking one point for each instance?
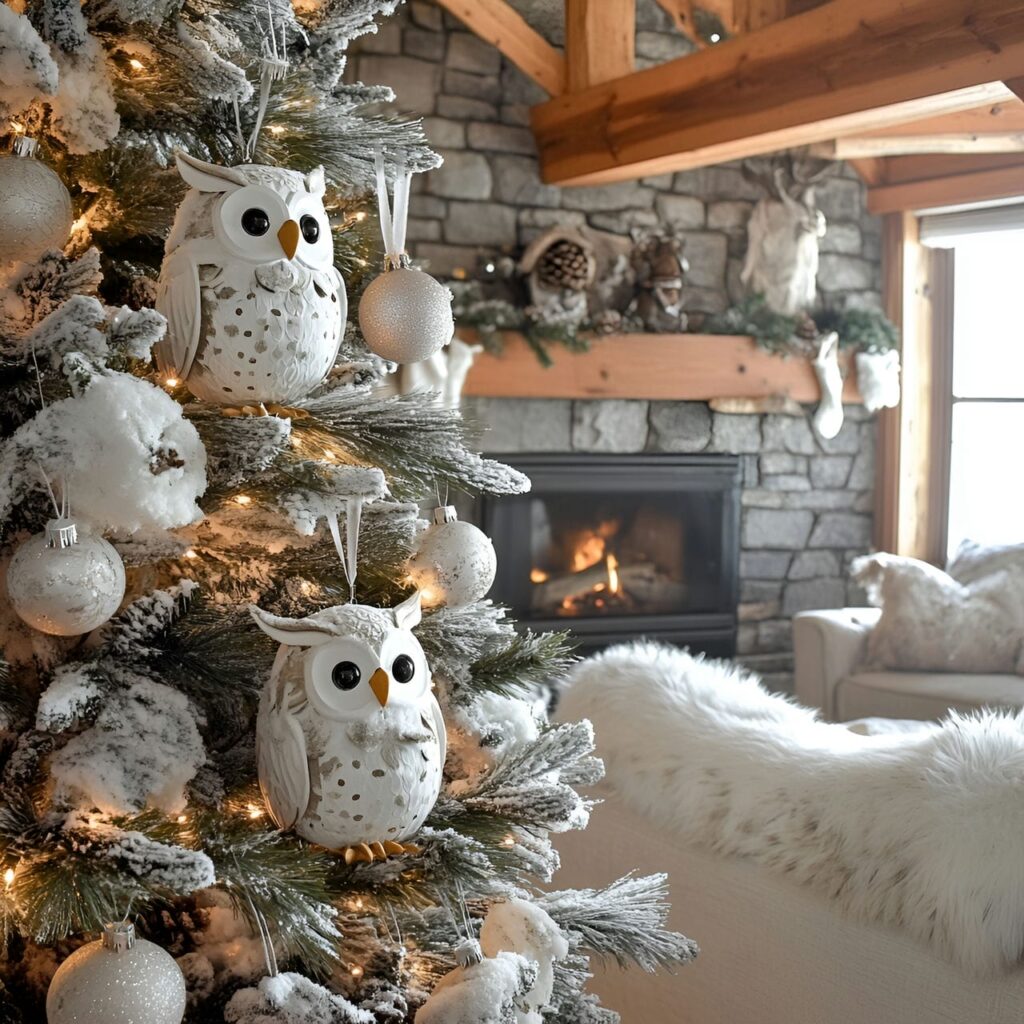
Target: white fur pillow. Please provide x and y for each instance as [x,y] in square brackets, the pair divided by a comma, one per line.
[932,623]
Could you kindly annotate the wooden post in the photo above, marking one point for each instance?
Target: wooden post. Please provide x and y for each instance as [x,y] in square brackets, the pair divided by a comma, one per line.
[600,38]
[911,487]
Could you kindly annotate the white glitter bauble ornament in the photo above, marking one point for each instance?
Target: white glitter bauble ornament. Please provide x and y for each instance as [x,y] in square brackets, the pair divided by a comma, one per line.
[406,316]
[35,207]
[454,563]
[64,584]
[118,979]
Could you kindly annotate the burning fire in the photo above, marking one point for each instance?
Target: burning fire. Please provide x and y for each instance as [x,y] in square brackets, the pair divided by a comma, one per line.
[613,574]
[589,552]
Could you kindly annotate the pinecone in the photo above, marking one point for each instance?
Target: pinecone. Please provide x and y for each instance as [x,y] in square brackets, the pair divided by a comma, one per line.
[565,264]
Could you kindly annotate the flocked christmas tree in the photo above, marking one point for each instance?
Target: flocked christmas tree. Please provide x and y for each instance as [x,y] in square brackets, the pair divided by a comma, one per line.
[253,704]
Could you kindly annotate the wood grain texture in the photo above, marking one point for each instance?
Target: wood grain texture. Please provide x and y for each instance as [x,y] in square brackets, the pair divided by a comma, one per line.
[845,67]
[505,28]
[1003,181]
[694,367]
[600,41]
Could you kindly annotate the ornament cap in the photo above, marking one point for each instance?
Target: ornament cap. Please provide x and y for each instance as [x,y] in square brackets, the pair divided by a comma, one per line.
[445,514]
[61,533]
[468,952]
[25,145]
[119,936]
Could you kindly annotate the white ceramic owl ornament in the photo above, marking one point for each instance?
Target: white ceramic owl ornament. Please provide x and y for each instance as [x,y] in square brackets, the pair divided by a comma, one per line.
[255,307]
[350,740]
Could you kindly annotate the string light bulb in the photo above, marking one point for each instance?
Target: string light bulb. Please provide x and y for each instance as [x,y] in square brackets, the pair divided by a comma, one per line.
[191,553]
[182,818]
[508,842]
[356,971]
[9,877]
[253,811]
[172,382]
[276,129]
[243,499]
[715,37]
[136,65]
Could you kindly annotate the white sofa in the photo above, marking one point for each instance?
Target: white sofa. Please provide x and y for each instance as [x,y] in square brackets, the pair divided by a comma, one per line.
[829,649]
[772,952]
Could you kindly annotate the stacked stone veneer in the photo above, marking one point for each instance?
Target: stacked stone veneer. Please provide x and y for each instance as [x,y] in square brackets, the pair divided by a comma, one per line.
[806,503]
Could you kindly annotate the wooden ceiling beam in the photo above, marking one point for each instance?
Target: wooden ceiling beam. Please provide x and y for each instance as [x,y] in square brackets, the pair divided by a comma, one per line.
[979,185]
[992,128]
[846,67]
[600,41]
[505,28]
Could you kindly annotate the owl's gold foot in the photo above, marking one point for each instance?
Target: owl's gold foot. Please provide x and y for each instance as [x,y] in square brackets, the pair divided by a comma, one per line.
[367,853]
[287,412]
[272,409]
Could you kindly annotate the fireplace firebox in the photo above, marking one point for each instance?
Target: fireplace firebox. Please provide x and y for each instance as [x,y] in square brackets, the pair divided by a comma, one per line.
[615,547]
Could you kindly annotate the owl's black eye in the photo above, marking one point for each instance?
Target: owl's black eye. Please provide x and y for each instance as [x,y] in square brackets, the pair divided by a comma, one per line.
[403,668]
[310,228]
[255,221]
[346,675]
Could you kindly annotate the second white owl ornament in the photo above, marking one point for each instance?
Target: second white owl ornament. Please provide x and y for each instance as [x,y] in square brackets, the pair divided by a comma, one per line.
[255,307]
[350,740]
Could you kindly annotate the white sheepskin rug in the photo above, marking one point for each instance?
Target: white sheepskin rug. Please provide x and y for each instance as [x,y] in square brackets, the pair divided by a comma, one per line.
[924,831]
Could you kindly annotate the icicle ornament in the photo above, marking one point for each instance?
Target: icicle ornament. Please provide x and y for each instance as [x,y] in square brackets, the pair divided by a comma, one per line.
[405,315]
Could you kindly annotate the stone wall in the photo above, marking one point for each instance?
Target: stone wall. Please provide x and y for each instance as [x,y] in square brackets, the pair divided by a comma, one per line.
[806,503]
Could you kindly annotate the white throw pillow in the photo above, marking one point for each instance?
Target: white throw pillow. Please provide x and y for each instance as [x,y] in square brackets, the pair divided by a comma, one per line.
[932,623]
[974,561]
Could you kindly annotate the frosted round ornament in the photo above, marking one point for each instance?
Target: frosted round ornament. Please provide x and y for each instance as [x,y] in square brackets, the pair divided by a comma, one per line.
[119,979]
[454,563]
[35,206]
[406,316]
[65,584]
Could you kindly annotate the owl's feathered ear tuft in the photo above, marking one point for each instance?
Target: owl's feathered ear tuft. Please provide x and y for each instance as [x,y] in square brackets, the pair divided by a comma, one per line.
[293,632]
[316,184]
[208,177]
[409,613]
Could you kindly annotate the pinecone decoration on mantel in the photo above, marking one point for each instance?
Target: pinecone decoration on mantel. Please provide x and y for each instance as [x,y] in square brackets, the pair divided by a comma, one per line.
[561,266]
[566,264]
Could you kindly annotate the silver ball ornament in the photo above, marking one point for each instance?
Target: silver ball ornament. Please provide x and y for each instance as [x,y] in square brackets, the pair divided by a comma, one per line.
[454,562]
[63,584]
[35,209]
[406,316]
[118,979]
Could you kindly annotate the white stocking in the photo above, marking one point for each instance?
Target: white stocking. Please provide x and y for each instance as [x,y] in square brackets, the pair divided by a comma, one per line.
[828,417]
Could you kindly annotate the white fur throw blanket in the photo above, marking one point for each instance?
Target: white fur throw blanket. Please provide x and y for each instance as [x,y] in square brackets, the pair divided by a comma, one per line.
[923,831]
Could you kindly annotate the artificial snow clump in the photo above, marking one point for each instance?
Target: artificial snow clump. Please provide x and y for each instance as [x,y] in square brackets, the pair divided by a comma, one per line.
[73,693]
[174,867]
[85,116]
[486,732]
[304,508]
[141,751]
[131,461]
[292,999]
[26,66]
[522,927]
[487,992]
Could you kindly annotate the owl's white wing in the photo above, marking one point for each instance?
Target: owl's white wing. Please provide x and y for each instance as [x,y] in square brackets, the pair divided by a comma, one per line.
[438,720]
[283,768]
[178,299]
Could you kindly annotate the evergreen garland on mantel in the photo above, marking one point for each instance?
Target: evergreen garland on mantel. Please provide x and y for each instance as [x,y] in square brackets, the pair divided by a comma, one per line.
[862,330]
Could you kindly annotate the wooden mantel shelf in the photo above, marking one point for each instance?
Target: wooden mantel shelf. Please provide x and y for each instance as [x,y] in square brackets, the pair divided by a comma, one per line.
[695,367]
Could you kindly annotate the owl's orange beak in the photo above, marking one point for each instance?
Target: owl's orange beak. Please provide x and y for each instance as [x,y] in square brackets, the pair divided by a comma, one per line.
[379,683]
[288,236]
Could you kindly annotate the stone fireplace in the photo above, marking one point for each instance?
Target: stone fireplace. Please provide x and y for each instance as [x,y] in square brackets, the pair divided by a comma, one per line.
[613,547]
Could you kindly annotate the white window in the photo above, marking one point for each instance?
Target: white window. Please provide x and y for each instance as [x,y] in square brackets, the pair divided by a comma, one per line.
[986,468]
